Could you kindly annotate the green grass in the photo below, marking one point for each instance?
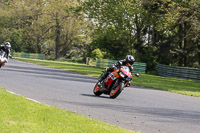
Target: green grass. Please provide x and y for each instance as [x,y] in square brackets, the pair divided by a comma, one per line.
[19,115]
[181,86]
[65,65]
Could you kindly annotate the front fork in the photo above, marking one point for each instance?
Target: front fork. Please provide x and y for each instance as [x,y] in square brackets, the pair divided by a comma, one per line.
[117,83]
[126,84]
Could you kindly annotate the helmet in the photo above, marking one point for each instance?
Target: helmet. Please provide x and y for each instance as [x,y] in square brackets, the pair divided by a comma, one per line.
[7,45]
[130,59]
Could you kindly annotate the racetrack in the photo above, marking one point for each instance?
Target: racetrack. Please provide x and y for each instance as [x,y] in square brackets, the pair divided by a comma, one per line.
[142,109]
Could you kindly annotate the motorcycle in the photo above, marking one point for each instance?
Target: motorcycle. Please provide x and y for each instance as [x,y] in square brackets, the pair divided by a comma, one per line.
[3,60]
[114,83]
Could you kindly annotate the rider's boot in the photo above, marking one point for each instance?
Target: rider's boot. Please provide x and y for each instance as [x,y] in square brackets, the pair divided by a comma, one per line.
[102,78]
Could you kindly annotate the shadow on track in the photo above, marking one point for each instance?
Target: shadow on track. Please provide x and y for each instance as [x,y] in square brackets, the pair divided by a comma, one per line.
[90,95]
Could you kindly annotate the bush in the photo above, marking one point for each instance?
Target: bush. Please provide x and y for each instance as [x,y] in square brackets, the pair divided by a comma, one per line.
[97,54]
[196,65]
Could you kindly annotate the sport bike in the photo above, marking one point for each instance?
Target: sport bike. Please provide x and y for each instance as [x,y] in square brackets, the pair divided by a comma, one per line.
[114,83]
[3,59]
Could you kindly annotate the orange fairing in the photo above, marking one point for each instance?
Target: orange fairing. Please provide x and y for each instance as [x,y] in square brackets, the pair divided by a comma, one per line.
[115,73]
[111,77]
[96,88]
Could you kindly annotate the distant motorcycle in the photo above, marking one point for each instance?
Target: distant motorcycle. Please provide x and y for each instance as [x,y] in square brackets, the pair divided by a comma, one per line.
[3,59]
[114,83]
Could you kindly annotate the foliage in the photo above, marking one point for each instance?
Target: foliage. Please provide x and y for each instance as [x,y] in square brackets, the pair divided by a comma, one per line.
[16,38]
[97,53]
[154,31]
[39,26]
[163,31]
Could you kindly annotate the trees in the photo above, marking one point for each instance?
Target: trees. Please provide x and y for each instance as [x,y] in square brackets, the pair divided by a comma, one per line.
[164,31]
[181,32]
[153,30]
[187,33]
[115,19]
[47,26]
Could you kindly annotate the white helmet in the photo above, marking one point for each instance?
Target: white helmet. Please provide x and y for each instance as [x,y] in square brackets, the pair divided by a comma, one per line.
[7,45]
[130,59]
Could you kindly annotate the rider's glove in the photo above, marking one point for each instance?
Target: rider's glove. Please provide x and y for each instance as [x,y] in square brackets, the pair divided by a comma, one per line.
[119,63]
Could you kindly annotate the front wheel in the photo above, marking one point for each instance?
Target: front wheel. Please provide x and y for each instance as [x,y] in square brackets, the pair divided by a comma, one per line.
[96,90]
[115,91]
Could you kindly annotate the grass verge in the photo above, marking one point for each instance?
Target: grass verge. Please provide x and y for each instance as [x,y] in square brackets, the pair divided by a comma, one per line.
[19,115]
[181,86]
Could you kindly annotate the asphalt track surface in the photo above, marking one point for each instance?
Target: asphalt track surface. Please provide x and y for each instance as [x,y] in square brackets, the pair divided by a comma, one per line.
[141,109]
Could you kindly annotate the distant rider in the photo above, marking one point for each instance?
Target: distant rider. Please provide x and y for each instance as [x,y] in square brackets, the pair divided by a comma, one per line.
[128,61]
[5,53]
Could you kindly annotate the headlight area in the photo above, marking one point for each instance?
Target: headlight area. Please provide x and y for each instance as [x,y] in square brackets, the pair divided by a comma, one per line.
[128,79]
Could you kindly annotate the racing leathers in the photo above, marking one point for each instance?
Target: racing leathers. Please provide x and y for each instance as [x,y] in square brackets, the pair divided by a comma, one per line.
[118,65]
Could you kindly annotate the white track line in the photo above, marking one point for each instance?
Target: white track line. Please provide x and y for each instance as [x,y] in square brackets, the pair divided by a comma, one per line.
[25,97]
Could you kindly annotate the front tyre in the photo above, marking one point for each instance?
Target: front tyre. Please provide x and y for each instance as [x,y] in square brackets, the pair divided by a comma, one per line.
[96,90]
[115,91]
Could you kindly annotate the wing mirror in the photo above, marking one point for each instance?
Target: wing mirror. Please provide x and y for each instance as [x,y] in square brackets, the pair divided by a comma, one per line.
[137,75]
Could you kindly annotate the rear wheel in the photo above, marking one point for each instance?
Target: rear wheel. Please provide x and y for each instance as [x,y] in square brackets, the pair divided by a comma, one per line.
[0,63]
[96,90]
[115,91]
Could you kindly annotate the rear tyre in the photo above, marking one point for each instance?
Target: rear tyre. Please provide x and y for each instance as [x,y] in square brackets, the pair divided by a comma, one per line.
[117,90]
[1,63]
[96,90]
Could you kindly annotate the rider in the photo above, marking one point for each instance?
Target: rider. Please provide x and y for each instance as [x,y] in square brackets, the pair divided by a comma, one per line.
[5,52]
[128,61]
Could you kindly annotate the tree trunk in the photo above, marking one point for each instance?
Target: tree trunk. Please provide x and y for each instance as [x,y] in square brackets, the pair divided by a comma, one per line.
[57,36]
[185,44]
[182,37]
[199,53]
[38,46]
[138,44]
